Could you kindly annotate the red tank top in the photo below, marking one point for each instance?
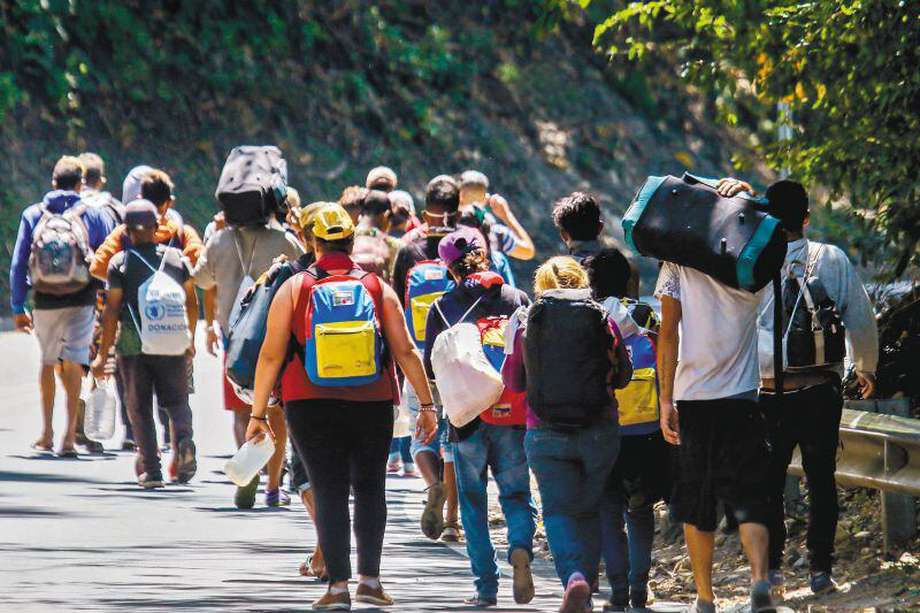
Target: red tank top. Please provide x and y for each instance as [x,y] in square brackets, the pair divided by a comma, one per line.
[295,384]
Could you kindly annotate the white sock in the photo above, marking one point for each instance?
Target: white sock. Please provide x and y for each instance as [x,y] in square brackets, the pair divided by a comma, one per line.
[338,590]
[371,582]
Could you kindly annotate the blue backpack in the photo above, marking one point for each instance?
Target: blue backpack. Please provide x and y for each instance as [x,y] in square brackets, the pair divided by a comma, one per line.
[427,281]
[344,342]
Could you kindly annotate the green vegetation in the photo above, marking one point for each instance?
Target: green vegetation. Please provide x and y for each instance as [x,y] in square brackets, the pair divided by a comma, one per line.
[848,72]
[512,87]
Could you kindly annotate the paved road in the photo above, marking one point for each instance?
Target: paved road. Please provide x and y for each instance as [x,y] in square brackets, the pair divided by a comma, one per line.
[78,535]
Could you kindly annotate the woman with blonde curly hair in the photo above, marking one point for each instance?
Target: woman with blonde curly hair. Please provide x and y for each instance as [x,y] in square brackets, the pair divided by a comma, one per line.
[568,357]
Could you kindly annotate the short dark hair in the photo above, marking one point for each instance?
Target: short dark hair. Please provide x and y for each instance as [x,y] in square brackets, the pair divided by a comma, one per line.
[353,198]
[94,167]
[788,203]
[609,273]
[157,187]
[68,172]
[375,202]
[579,215]
[342,245]
[443,194]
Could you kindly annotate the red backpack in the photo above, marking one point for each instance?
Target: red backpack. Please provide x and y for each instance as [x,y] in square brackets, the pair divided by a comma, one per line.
[511,408]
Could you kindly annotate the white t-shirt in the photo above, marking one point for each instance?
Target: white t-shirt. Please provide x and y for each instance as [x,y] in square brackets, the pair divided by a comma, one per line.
[718,335]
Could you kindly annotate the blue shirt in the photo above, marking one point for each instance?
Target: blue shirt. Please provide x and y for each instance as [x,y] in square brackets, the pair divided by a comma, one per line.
[98,226]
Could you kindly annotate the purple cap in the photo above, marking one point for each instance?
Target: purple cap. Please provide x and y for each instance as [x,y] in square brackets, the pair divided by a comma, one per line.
[462,241]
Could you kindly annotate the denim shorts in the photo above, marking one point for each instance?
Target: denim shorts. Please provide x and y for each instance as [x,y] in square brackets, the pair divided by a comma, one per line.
[441,445]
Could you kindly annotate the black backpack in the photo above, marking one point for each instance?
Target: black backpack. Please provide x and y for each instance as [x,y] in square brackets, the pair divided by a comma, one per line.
[566,354]
[252,185]
[813,329]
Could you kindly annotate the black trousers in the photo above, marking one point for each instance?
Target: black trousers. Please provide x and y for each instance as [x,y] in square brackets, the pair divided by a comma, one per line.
[809,418]
[144,375]
[345,446]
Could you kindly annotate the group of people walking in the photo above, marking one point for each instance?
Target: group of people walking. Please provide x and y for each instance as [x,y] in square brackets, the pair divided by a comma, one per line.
[377,308]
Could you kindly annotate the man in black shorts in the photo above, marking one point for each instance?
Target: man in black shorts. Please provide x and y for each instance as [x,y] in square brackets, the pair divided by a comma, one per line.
[709,409]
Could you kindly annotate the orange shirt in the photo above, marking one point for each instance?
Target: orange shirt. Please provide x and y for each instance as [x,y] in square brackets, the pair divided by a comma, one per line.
[190,243]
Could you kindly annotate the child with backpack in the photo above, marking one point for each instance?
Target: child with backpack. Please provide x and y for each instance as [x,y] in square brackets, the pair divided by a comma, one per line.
[495,439]
[151,295]
[52,256]
[640,476]
[419,278]
[569,357]
[338,391]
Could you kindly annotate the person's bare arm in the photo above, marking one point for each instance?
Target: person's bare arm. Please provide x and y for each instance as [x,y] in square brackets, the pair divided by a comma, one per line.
[110,315]
[524,250]
[191,311]
[407,356]
[271,358]
[210,313]
[668,346]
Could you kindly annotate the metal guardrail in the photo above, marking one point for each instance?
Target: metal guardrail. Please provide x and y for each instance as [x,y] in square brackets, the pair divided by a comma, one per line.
[882,452]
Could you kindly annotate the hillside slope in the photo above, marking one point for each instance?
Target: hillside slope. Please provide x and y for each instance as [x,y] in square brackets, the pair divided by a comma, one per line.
[340,86]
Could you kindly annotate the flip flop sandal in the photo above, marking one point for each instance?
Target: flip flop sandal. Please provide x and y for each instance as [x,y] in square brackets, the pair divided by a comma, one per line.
[42,448]
[68,453]
[306,570]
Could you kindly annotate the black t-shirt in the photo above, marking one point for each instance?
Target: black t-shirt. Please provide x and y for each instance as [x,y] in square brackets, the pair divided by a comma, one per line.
[128,271]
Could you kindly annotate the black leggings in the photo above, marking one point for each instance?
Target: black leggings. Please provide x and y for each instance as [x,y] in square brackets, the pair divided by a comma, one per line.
[345,445]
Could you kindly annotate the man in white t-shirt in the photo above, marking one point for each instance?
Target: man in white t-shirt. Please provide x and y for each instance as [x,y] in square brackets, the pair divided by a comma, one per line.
[708,376]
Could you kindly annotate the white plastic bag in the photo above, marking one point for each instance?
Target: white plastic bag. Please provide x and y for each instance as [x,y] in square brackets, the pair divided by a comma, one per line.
[163,325]
[467,381]
[99,415]
[249,459]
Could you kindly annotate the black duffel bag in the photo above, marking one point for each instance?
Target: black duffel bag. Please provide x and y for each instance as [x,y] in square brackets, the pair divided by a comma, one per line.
[252,185]
[685,221]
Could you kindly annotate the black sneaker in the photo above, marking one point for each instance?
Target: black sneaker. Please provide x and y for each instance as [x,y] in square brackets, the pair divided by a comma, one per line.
[150,481]
[619,601]
[129,445]
[822,583]
[640,598]
[187,465]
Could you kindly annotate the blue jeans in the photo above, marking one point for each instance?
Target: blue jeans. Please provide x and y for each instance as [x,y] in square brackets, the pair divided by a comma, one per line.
[572,468]
[399,449]
[501,449]
[635,485]
[627,553]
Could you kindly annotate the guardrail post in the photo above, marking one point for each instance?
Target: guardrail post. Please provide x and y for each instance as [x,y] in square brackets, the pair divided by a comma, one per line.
[899,511]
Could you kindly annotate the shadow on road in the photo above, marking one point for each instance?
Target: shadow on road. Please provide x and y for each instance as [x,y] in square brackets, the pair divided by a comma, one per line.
[25,477]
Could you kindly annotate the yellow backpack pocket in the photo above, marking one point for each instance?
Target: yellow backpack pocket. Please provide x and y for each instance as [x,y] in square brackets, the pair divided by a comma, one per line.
[420,305]
[346,349]
[638,401]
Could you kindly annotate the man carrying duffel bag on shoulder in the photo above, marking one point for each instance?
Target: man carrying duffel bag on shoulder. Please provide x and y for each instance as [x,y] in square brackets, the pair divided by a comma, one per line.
[708,398]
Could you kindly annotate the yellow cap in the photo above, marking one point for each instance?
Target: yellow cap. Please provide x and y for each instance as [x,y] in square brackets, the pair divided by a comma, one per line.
[333,223]
[306,215]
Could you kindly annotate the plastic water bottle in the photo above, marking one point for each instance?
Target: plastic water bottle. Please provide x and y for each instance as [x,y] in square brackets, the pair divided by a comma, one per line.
[249,459]
[101,407]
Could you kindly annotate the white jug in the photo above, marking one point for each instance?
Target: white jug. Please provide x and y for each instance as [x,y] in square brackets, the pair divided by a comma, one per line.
[249,459]
[99,416]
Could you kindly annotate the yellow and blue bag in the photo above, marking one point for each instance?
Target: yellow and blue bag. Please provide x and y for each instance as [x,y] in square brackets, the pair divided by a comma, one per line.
[427,281]
[344,342]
